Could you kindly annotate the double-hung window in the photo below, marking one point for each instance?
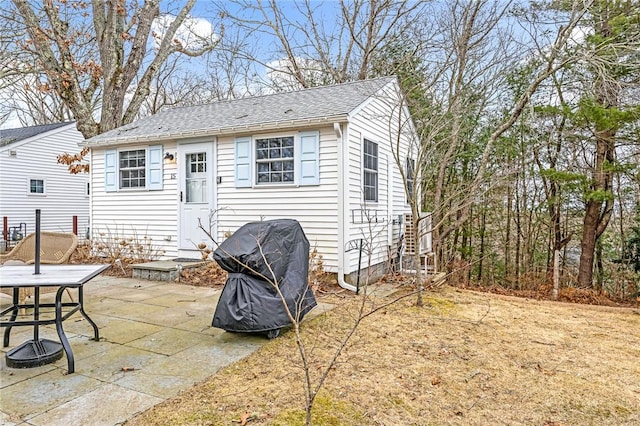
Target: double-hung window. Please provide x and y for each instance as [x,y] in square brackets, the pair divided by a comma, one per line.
[410,177]
[133,169]
[289,159]
[275,160]
[370,171]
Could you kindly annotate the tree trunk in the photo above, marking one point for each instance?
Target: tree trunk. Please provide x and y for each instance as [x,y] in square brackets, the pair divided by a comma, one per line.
[556,273]
[507,243]
[517,260]
[588,244]
[483,224]
[599,266]
[599,206]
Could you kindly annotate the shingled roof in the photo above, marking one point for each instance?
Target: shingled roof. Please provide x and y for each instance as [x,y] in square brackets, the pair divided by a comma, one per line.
[8,136]
[289,109]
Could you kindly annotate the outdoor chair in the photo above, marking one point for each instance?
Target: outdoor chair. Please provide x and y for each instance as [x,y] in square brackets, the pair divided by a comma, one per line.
[55,248]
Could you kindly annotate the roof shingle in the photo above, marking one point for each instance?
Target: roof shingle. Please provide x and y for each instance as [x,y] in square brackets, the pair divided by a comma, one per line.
[8,136]
[314,104]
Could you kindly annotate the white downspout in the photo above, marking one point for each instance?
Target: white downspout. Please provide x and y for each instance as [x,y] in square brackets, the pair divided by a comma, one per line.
[342,203]
[91,195]
[390,212]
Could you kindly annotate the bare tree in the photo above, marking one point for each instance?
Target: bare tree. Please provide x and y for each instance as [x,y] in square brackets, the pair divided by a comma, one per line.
[14,65]
[612,58]
[319,43]
[462,112]
[109,51]
[561,134]
[315,374]
[33,102]
[173,86]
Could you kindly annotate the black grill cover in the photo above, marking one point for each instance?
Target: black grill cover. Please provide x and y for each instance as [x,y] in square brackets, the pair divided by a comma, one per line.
[259,252]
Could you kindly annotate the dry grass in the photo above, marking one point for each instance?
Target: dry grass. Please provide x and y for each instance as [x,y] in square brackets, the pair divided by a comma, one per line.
[468,358]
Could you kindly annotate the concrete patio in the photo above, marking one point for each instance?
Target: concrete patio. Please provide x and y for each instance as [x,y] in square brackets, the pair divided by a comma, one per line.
[156,340]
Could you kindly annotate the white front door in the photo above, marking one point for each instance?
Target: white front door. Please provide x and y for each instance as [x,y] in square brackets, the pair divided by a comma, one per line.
[196,174]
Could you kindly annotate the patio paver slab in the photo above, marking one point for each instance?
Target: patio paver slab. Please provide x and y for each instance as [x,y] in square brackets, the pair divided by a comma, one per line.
[156,340]
[169,341]
[106,405]
[43,392]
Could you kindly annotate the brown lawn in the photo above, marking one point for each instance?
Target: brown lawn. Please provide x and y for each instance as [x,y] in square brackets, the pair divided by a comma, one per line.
[466,358]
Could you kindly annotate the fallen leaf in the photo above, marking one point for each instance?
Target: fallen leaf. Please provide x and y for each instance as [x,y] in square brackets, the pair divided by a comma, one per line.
[544,371]
[244,419]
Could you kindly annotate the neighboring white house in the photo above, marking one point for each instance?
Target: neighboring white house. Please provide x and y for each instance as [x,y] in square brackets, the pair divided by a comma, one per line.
[326,156]
[31,178]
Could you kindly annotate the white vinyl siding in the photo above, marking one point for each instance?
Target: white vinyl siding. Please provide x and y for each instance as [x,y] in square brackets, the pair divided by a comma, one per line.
[146,216]
[64,193]
[315,207]
[371,122]
[312,198]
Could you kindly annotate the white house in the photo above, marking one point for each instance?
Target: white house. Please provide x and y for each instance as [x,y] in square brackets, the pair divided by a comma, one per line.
[31,178]
[329,157]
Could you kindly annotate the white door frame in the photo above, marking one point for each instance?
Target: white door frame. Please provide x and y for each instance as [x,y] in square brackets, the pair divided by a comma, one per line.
[184,240]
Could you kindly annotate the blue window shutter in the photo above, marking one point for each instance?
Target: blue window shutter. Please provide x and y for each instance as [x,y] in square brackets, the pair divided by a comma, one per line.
[243,162]
[154,168]
[110,170]
[309,158]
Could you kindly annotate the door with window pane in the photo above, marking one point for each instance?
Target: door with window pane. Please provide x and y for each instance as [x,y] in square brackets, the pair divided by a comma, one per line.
[196,193]
[196,177]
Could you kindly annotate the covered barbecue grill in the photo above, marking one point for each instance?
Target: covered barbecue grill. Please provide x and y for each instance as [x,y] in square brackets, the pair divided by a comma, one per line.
[257,257]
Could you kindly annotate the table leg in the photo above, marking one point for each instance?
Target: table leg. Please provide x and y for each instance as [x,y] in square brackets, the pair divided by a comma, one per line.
[14,315]
[35,352]
[96,333]
[60,330]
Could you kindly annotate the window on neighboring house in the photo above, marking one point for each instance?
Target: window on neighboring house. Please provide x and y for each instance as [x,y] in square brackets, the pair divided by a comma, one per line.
[409,175]
[275,160]
[36,186]
[131,165]
[370,167]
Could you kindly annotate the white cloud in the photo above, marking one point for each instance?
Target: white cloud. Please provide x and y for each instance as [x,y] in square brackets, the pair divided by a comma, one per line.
[280,72]
[193,34]
[578,36]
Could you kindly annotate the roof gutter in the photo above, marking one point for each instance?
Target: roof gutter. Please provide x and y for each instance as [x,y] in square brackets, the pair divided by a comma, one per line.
[343,153]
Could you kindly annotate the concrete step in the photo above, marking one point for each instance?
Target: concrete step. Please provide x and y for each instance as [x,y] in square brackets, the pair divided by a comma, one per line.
[164,270]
